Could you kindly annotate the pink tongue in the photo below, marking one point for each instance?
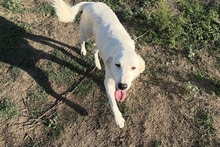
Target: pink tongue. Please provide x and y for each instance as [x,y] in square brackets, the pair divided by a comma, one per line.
[120,95]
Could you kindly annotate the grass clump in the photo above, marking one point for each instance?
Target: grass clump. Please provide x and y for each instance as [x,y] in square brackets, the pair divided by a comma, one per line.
[125,110]
[85,88]
[15,72]
[167,27]
[46,8]
[191,26]
[204,122]
[191,90]
[54,128]
[202,23]
[12,34]
[8,110]
[13,6]
[36,101]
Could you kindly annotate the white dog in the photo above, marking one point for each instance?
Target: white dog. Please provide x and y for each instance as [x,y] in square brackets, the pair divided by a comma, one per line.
[113,43]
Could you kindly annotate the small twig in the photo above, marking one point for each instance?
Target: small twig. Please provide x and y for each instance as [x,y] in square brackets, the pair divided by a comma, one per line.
[39,54]
[46,112]
[34,64]
[27,136]
[141,35]
[26,105]
[29,87]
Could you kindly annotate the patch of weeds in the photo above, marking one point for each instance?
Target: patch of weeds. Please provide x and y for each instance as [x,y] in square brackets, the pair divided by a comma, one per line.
[8,110]
[127,14]
[15,72]
[13,6]
[191,52]
[202,23]
[209,83]
[9,76]
[115,4]
[33,143]
[55,128]
[89,45]
[59,73]
[62,75]
[12,34]
[216,90]
[25,27]
[156,143]
[200,75]
[207,130]
[190,28]
[191,90]
[79,119]
[125,110]
[36,102]
[77,17]
[85,88]
[167,26]
[46,8]
[99,125]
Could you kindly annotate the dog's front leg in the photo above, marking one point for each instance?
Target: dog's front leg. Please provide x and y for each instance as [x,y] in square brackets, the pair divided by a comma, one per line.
[110,89]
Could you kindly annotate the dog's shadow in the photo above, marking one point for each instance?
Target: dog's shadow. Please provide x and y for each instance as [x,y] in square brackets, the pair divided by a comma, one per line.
[15,51]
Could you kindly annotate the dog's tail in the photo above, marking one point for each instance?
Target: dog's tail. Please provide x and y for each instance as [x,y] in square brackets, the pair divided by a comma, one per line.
[65,12]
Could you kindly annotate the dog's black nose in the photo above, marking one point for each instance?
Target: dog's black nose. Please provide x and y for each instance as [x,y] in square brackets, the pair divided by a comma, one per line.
[122,86]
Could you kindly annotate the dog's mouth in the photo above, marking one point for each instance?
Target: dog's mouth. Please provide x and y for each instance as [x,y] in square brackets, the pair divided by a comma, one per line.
[120,95]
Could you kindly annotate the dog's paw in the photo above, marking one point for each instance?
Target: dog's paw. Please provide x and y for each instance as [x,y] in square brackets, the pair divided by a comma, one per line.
[83,52]
[97,64]
[120,121]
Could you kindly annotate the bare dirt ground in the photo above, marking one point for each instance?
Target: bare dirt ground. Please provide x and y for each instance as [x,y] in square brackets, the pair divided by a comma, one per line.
[159,111]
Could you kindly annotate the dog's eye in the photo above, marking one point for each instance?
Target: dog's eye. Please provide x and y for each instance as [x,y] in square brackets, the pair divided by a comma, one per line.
[133,68]
[118,65]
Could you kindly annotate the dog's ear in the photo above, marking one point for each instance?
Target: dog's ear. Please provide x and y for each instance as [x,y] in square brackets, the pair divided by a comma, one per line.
[142,64]
[108,61]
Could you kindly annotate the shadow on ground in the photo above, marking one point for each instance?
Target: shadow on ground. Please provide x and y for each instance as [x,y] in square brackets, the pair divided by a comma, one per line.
[15,51]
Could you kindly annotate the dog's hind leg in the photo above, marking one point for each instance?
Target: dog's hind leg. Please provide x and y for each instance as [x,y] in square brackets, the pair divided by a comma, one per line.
[96,56]
[83,48]
[86,31]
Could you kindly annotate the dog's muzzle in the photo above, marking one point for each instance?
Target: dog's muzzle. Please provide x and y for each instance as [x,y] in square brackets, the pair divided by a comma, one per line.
[120,93]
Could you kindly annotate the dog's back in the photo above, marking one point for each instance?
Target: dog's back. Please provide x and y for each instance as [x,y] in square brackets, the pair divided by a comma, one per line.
[106,28]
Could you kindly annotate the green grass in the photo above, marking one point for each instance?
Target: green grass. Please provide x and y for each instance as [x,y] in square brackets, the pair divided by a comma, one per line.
[125,110]
[54,126]
[202,23]
[33,143]
[11,34]
[85,88]
[156,143]
[15,72]
[46,8]
[8,109]
[13,6]
[36,100]
[207,130]
[191,90]
[207,82]
[191,27]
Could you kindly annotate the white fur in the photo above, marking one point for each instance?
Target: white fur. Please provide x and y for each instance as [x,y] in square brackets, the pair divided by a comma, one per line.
[113,43]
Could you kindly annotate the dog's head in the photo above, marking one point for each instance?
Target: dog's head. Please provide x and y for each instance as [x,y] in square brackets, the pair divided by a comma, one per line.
[124,67]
